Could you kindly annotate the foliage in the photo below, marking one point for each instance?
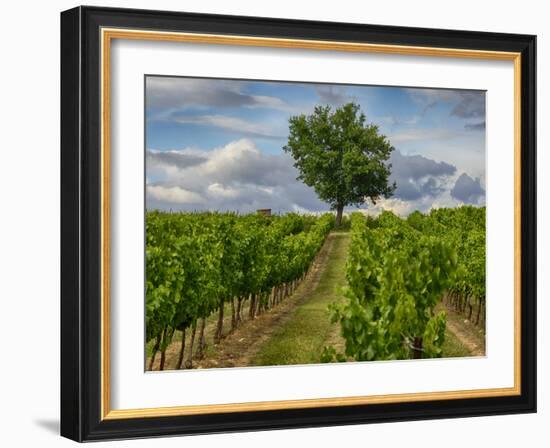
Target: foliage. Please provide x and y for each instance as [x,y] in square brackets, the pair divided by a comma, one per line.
[398,270]
[464,227]
[340,156]
[196,262]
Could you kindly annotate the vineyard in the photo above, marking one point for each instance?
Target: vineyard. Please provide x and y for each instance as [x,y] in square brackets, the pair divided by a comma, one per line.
[278,289]
[398,271]
[198,263]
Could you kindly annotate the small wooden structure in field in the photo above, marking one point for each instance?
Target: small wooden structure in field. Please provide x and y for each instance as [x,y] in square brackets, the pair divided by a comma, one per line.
[264,211]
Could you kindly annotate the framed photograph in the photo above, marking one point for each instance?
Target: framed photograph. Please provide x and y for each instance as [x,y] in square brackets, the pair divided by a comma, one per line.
[273,223]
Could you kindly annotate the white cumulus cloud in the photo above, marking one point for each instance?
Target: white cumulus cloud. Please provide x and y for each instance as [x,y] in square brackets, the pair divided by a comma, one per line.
[173,194]
[240,177]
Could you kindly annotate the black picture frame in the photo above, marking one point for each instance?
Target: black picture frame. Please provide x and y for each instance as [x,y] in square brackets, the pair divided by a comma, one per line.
[81,224]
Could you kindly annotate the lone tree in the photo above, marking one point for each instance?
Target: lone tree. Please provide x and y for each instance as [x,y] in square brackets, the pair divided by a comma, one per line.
[340,156]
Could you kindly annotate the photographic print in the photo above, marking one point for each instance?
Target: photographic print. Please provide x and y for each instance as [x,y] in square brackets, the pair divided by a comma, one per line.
[299,223]
[251,201]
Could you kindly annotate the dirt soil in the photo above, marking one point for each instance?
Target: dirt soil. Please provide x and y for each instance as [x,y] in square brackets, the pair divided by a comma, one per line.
[472,336]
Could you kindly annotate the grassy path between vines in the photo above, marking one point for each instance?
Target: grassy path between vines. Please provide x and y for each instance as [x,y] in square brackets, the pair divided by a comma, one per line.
[462,338]
[250,344]
[302,338]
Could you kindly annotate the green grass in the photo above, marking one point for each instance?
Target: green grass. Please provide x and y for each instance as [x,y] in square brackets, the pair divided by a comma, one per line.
[302,338]
[452,347]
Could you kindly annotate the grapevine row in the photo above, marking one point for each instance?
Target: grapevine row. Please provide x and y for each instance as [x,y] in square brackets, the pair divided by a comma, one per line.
[197,263]
[398,270]
[464,229]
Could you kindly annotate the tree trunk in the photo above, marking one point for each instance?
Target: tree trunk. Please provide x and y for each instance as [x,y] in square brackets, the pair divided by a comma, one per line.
[163,351]
[479,304]
[219,327]
[189,362]
[259,307]
[252,308]
[417,348]
[155,350]
[339,211]
[202,343]
[182,350]
[239,306]
[233,315]
[258,304]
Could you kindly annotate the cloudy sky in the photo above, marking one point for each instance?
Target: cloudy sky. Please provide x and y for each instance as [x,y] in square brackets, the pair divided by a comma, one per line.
[217,144]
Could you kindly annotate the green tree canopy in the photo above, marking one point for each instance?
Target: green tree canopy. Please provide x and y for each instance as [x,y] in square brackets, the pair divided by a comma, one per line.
[343,158]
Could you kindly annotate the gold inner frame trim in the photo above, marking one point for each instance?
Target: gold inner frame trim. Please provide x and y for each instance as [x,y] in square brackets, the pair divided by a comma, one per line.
[107,35]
